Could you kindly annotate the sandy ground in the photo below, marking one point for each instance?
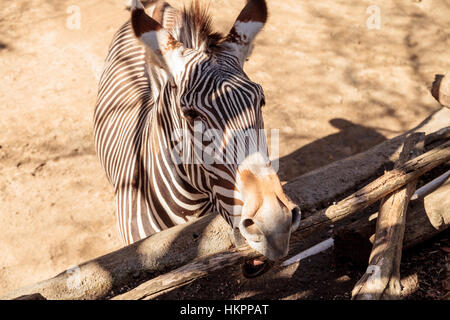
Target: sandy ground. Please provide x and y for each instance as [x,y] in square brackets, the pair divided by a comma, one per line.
[334,87]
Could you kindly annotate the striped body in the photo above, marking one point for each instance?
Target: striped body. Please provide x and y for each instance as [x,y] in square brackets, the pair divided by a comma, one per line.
[150,193]
[132,138]
[179,131]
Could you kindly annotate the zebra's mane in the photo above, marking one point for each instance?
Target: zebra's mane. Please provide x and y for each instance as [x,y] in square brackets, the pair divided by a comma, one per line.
[192,26]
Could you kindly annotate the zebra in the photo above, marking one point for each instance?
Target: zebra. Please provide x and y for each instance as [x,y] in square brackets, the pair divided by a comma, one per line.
[167,72]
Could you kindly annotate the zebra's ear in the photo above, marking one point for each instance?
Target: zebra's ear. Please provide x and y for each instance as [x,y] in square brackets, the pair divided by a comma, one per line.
[167,51]
[248,24]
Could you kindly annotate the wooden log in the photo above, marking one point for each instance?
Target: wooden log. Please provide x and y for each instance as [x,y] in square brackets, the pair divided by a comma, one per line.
[427,216]
[440,89]
[443,134]
[105,276]
[382,278]
[188,273]
[405,173]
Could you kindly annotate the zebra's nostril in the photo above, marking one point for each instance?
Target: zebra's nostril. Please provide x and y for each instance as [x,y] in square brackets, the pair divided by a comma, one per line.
[296,217]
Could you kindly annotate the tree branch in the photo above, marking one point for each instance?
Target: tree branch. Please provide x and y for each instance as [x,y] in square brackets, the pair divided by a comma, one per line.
[382,280]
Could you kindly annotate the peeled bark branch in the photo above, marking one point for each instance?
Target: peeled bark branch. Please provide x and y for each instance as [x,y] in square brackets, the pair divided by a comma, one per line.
[382,280]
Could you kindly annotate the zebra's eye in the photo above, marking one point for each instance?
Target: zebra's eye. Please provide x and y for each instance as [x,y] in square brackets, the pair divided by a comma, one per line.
[191,115]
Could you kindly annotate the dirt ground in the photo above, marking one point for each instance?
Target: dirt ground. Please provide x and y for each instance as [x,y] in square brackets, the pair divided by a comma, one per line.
[334,87]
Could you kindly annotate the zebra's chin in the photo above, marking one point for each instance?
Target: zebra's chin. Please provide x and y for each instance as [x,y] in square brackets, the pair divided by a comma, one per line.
[272,249]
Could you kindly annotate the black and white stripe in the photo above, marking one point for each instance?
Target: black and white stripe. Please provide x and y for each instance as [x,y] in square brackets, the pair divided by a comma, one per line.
[136,116]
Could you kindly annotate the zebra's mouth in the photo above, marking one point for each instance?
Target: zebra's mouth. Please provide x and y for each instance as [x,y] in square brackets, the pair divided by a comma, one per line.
[256,267]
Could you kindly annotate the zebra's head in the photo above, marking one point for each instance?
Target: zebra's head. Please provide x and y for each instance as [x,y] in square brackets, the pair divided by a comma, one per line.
[209,95]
